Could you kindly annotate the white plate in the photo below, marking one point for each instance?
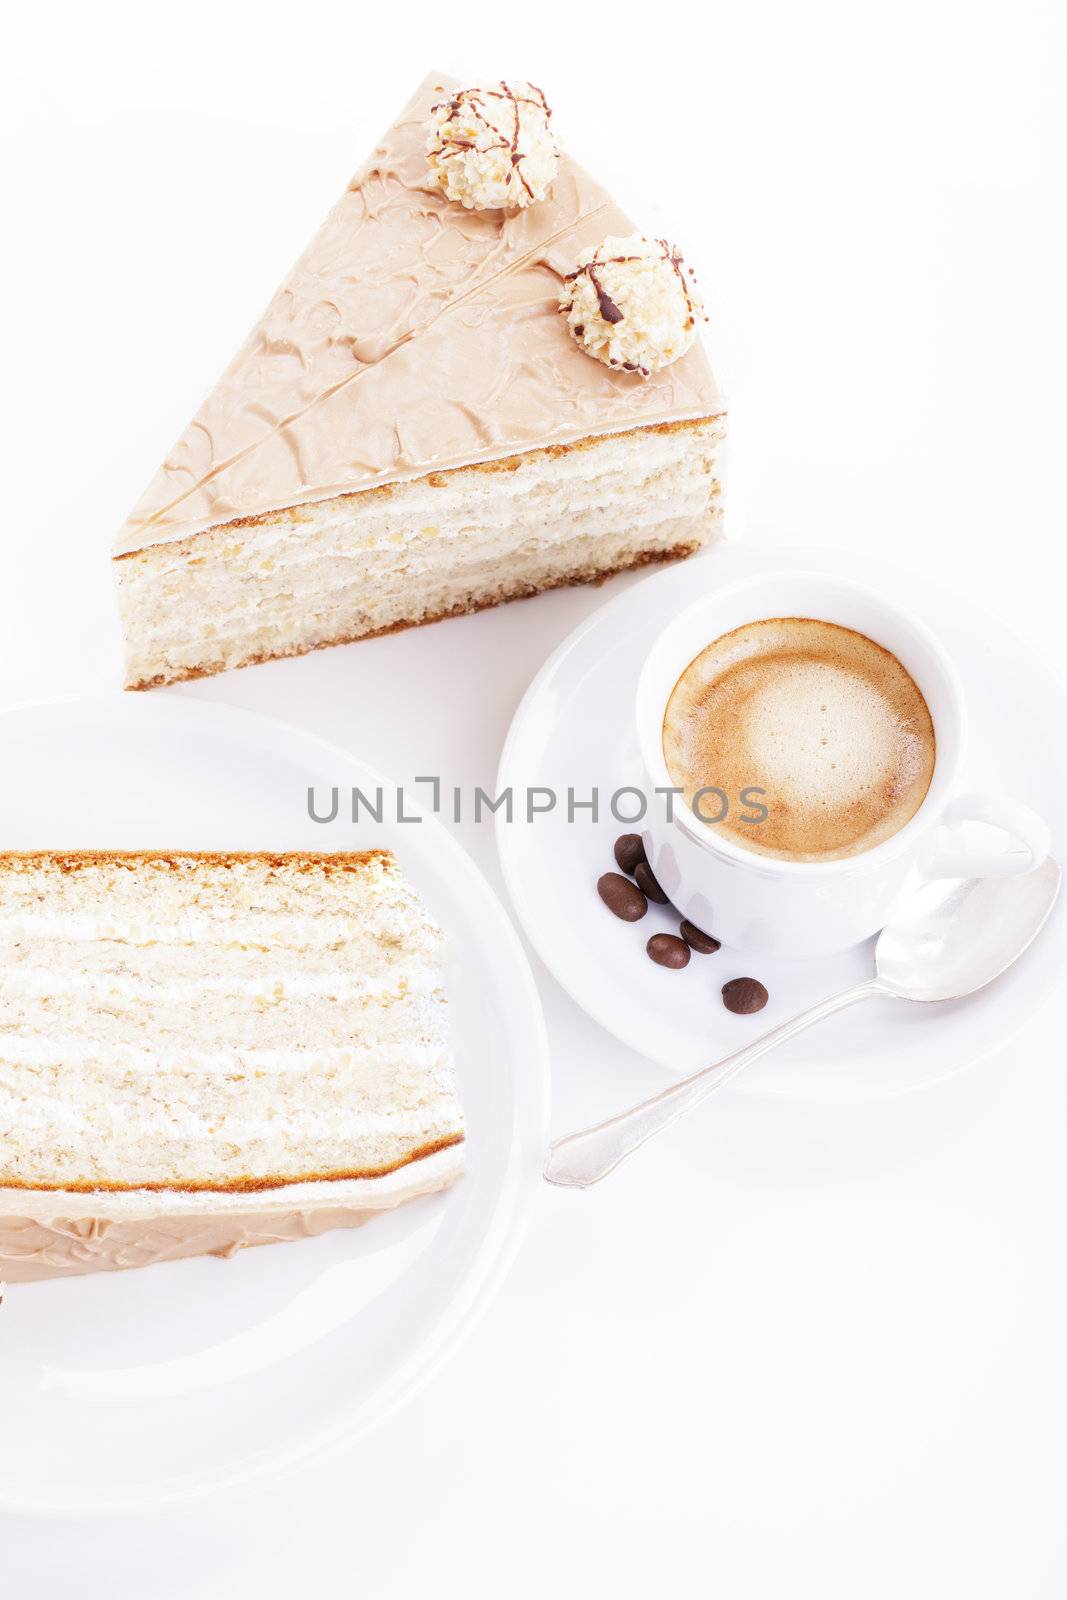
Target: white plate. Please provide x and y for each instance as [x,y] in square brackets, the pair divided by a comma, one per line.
[575,728]
[144,1387]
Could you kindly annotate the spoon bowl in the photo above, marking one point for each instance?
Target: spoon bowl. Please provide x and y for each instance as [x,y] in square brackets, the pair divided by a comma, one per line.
[955,935]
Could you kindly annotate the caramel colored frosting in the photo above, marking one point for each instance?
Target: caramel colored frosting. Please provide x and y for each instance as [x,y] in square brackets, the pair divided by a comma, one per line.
[35,1248]
[412,335]
[60,1235]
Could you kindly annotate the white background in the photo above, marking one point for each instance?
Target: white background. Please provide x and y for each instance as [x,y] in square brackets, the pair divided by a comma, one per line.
[787,1352]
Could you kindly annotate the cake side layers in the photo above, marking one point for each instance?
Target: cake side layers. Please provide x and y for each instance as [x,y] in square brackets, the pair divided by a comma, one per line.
[412,336]
[359,565]
[217,1023]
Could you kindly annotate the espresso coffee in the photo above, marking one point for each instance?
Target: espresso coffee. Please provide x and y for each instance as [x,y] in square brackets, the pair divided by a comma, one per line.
[825,722]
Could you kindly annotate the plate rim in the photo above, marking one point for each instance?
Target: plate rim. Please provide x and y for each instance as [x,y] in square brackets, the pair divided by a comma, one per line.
[507,1223]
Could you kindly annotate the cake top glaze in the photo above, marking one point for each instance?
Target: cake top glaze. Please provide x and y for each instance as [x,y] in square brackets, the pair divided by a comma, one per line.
[412,336]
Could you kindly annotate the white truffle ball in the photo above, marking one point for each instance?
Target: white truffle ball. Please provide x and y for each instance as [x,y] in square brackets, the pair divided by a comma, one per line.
[632,303]
[491,148]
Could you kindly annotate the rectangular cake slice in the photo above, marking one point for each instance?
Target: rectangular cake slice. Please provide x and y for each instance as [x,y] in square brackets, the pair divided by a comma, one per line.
[411,432]
[202,1052]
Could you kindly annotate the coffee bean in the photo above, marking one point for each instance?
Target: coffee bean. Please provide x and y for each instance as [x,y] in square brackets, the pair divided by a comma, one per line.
[622,897]
[646,881]
[744,995]
[702,943]
[629,851]
[668,950]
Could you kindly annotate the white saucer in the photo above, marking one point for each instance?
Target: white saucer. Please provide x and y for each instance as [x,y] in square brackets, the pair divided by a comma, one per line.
[574,728]
[144,1387]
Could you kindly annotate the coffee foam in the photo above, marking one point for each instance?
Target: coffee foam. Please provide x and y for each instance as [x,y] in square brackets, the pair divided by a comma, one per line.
[829,724]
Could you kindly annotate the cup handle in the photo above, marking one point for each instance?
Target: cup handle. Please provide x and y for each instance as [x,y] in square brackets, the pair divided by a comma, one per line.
[1025,846]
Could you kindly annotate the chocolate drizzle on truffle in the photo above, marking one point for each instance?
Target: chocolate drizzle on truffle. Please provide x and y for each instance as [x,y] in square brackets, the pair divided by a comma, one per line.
[608,309]
[634,348]
[473,100]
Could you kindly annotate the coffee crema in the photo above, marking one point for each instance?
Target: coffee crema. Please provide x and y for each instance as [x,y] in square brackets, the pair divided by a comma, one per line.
[827,723]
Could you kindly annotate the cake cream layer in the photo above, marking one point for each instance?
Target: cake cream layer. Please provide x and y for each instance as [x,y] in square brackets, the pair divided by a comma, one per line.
[183,1022]
[411,337]
[62,1234]
[363,564]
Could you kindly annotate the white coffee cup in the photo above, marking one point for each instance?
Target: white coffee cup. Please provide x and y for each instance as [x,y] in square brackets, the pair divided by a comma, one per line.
[765,906]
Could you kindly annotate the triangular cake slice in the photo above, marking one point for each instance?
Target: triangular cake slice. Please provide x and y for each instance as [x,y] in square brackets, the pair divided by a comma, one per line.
[203,1052]
[411,432]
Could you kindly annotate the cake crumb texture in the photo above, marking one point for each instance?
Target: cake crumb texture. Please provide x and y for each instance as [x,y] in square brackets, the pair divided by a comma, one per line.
[217,1023]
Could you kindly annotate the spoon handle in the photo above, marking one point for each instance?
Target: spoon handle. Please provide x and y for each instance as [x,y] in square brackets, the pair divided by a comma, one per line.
[584,1158]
